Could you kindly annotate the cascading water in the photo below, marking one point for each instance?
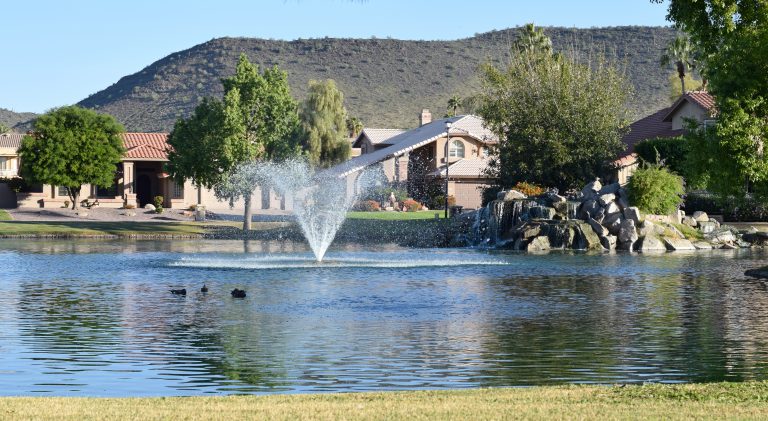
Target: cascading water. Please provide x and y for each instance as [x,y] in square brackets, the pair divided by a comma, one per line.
[320,202]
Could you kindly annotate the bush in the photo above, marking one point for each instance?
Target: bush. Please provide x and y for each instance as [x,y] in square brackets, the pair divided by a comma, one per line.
[367,206]
[656,190]
[158,202]
[16,184]
[412,205]
[528,189]
[381,194]
[672,151]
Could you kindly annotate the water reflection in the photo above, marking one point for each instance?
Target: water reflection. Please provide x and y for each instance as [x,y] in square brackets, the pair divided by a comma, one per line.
[96,318]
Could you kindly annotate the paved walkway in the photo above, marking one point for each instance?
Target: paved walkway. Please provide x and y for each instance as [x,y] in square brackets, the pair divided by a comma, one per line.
[141,215]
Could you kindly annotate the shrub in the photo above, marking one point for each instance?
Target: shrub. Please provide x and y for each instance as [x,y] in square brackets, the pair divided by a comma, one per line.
[66,203]
[656,190]
[528,189]
[490,193]
[381,194]
[158,202]
[672,151]
[412,205]
[367,206]
[16,184]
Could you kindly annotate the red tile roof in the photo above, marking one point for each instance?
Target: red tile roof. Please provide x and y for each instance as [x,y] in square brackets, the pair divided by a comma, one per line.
[146,146]
[647,128]
[701,98]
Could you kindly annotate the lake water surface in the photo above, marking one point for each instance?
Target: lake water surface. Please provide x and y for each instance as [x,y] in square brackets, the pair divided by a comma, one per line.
[96,318]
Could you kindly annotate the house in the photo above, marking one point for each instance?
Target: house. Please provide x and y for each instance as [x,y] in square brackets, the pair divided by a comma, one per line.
[461,143]
[139,178]
[370,140]
[667,122]
[9,159]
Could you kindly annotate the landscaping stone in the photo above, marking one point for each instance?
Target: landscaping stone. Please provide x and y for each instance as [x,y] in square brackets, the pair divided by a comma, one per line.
[615,224]
[541,212]
[761,273]
[628,231]
[510,195]
[622,202]
[702,245]
[609,189]
[611,208]
[600,215]
[561,235]
[700,216]
[690,221]
[650,243]
[589,209]
[721,236]
[707,227]
[149,207]
[597,228]
[646,228]
[757,238]
[608,242]
[530,231]
[592,187]
[632,213]
[607,198]
[675,232]
[729,246]
[540,243]
[556,198]
[676,244]
[586,239]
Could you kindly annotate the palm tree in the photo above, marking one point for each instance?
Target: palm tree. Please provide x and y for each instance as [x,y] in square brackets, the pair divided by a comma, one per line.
[454,102]
[682,54]
[533,40]
[354,126]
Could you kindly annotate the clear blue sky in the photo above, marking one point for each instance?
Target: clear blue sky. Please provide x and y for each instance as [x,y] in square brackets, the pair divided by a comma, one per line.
[58,52]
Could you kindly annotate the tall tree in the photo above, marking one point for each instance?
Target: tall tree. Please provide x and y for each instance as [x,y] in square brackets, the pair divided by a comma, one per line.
[72,146]
[323,122]
[454,102]
[681,53]
[559,122]
[732,36]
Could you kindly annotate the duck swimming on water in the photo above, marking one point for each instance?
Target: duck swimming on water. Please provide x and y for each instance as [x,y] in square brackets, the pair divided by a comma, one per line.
[204,288]
[238,293]
[182,291]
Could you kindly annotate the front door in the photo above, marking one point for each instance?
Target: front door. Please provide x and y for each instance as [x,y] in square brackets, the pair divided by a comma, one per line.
[143,190]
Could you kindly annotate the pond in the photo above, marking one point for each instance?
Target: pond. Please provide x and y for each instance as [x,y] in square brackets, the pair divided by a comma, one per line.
[96,318]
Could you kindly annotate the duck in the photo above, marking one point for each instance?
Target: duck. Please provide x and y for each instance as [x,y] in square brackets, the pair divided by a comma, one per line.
[238,293]
[182,291]
[204,289]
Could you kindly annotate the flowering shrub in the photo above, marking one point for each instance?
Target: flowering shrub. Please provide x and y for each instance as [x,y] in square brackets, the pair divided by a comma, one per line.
[411,205]
[528,189]
[367,206]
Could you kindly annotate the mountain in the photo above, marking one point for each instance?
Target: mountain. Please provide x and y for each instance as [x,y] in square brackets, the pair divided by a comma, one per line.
[386,82]
[16,121]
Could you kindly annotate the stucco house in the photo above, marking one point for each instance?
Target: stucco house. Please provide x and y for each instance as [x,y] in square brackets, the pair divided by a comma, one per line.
[139,177]
[667,122]
[461,143]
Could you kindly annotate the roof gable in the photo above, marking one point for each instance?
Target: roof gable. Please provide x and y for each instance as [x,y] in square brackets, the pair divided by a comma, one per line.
[702,99]
[146,146]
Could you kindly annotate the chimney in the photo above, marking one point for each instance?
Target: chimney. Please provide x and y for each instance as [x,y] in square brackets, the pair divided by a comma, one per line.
[425,118]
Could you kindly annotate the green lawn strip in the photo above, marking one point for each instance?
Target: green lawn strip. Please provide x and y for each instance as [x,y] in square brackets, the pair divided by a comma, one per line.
[694,401]
[4,215]
[82,228]
[395,216]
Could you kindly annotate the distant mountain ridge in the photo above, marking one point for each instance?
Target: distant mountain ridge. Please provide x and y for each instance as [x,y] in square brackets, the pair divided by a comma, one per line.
[386,82]
[14,120]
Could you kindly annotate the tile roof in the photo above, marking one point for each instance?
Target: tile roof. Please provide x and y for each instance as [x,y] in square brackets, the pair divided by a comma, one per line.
[701,98]
[646,128]
[145,146]
[11,140]
[472,167]
[379,136]
[412,139]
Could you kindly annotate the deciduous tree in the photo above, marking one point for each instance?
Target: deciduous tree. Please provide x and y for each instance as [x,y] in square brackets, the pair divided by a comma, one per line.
[323,125]
[72,146]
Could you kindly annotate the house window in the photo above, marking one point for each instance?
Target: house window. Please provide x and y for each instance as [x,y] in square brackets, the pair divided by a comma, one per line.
[178,191]
[5,163]
[105,192]
[456,150]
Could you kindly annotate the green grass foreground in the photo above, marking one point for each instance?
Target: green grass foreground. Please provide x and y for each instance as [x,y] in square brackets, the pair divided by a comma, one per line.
[4,215]
[692,401]
[395,216]
[95,229]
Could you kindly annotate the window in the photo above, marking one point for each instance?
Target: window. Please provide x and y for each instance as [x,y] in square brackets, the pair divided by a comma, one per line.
[110,192]
[456,150]
[178,191]
[62,191]
[5,163]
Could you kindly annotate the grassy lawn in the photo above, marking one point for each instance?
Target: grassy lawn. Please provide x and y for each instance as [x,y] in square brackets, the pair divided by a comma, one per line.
[79,228]
[694,401]
[4,215]
[395,216]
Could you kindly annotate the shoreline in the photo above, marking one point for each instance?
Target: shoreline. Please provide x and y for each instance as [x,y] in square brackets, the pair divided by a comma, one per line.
[657,401]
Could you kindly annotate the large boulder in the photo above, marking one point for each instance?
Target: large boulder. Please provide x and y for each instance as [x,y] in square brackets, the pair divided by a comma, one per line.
[645,228]
[608,242]
[700,216]
[650,243]
[150,207]
[702,245]
[586,239]
[600,230]
[611,208]
[757,238]
[622,202]
[628,232]
[541,212]
[612,188]
[561,234]
[690,221]
[592,187]
[708,227]
[760,273]
[722,236]
[540,243]
[633,213]
[607,198]
[589,209]
[509,195]
[613,222]
[676,244]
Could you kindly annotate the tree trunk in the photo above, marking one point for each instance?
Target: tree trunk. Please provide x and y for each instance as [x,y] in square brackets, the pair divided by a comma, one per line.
[248,214]
[74,194]
[681,75]
[199,195]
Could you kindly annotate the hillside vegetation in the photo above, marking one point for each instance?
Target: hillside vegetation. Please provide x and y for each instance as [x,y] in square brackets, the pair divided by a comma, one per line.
[14,120]
[386,82]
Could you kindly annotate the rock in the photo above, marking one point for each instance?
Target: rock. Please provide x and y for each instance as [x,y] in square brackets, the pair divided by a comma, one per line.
[389,208]
[690,221]
[751,230]
[743,244]
[129,213]
[729,246]
[592,187]
[597,228]
[599,215]
[586,239]
[424,208]
[561,208]
[561,235]
[530,231]
[607,198]
[721,236]
[670,229]
[608,242]
[700,216]
[714,221]
[625,246]
[540,243]
[632,213]
[615,224]
[646,228]
[761,273]
[589,209]
[541,212]
[707,227]
[149,207]
[622,192]
[611,208]
[609,189]
[510,195]
[676,244]
[757,238]
[622,202]
[555,198]
[650,243]
[628,232]
[702,245]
